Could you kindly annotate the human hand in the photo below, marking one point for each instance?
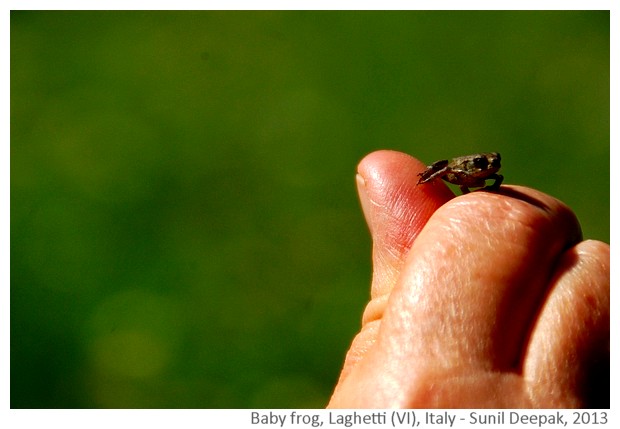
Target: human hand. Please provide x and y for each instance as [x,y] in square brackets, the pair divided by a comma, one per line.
[490,299]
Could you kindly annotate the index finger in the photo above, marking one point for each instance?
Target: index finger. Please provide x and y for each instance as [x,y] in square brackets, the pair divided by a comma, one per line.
[475,277]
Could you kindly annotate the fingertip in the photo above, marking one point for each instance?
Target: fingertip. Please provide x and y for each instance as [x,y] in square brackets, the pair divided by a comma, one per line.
[378,166]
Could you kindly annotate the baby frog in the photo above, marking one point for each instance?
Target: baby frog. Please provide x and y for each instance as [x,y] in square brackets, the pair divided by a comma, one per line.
[469,171]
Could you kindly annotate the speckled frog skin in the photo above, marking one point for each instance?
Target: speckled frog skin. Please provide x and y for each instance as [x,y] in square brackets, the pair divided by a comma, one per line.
[469,171]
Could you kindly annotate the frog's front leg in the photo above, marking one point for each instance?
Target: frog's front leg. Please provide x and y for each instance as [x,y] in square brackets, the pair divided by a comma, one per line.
[464,189]
[498,181]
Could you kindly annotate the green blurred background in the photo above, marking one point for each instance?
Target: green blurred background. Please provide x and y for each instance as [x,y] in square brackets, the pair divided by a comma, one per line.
[185,230]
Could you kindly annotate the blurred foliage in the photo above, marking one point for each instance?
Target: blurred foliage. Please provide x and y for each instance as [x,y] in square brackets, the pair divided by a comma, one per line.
[185,230]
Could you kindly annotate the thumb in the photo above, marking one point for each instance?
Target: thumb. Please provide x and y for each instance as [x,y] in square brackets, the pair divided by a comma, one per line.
[396,210]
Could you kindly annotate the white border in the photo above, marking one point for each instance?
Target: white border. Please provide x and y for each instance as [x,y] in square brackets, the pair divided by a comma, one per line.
[315,5]
[239,418]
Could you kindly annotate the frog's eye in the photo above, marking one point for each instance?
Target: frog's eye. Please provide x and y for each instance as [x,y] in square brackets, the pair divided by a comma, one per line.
[481,162]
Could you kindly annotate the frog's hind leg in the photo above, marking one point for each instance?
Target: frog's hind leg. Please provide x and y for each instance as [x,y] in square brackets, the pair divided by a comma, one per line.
[433,171]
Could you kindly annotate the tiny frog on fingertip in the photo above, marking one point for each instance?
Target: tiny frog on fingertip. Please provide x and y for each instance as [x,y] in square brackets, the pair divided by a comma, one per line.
[469,171]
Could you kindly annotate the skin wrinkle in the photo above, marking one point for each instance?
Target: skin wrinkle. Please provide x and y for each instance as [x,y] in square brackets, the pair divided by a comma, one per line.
[374,310]
[384,279]
[398,236]
[404,218]
[401,218]
[434,322]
